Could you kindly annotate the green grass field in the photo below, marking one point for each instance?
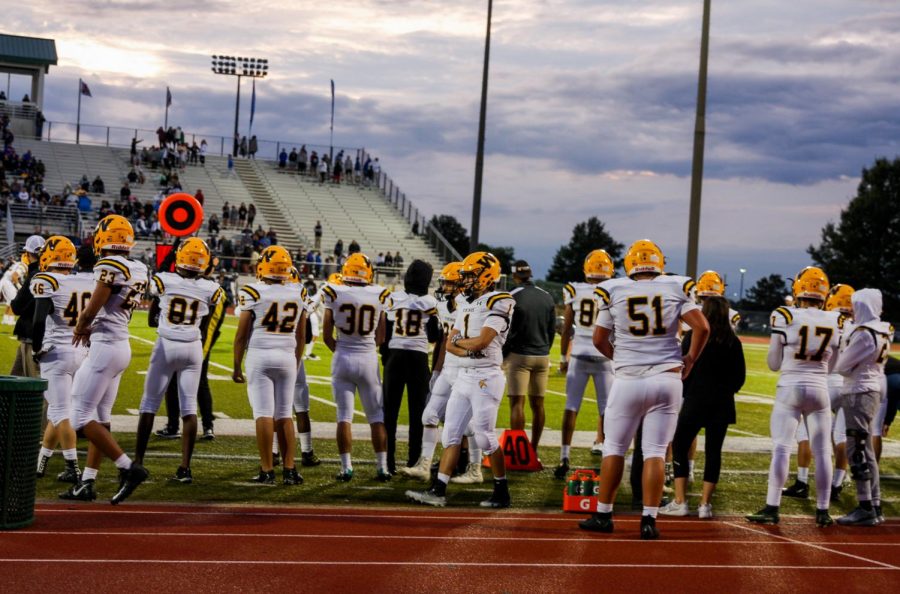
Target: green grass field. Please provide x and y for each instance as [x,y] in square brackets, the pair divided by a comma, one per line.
[222,467]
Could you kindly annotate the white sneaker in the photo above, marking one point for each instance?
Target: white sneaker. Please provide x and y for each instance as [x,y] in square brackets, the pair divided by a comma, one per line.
[471,476]
[597,448]
[705,511]
[427,497]
[421,471]
[674,509]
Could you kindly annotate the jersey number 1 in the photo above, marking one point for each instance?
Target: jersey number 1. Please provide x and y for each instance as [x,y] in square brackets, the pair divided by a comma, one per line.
[801,354]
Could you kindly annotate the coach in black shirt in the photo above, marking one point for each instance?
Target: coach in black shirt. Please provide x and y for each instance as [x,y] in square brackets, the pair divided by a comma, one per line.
[23,306]
[527,350]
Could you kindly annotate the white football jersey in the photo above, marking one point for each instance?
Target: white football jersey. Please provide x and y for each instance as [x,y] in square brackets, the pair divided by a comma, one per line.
[845,329]
[69,294]
[183,303]
[810,337]
[356,310]
[129,283]
[585,306]
[276,310]
[644,316]
[17,269]
[409,314]
[447,313]
[494,310]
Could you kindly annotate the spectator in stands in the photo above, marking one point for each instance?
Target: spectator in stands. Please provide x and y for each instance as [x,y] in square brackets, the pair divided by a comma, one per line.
[199,196]
[203,148]
[273,236]
[318,233]
[233,216]
[251,215]
[161,136]
[26,99]
[132,176]
[354,248]
[339,249]
[376,171]
[84,184]
[323,170]
[243,146]
[2,95]
[348,169]
[242,215]
[357,170]
[125,192]
[415,227]
[388,260]
[379,259]
[314,164]
[292,158]
[194,153]
[254,146]
[133,151]
[141,227]
[155,228]
[213,224]
[367,171]
[318,264]
[230,165]
[301,160]
[398,260]
[282,159]
[338,170]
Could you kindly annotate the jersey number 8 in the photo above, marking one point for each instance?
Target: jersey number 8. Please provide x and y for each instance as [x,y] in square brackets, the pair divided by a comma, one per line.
[411,326]
[587,313]
[178,309]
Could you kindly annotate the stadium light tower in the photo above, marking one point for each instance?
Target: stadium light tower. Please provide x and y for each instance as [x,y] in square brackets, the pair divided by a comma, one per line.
[240,66]
[479,154]
[743,271]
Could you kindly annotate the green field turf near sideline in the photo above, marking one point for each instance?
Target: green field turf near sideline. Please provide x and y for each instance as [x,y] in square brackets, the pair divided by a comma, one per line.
[231,399]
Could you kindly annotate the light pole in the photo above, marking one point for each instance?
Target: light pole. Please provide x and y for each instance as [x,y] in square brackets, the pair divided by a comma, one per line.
[479,154]
[743,271]
[240,66]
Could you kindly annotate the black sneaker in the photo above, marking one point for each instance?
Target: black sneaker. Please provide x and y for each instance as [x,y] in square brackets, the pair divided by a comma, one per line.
[42,466]
[309,459]
[72,474]
[208,434]
[767,515]
[499,499]
[183,475]
[290,476]
[168,433]
[598,523]
[836,493]
[382,476]
[264,478]
[823,519]
[276,459]
[799,490]
[562,470]
[129,480]
[648,528]
[83,491]
[879,515]
[344,476]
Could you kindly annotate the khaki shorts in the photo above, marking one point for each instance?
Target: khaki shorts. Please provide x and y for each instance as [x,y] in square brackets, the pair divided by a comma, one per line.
[526,375]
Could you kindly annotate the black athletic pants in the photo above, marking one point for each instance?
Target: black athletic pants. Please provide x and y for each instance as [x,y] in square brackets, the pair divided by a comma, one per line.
[687,430]
[405,369]
[204,400]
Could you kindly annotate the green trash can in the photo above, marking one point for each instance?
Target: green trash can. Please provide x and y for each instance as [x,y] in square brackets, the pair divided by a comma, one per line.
[21,406]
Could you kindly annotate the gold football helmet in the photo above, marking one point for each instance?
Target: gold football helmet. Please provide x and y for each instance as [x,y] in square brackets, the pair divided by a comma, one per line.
[192,255]
[448,280]
[598,266]
[479,271]
[357,270]
[58,252]
[811,283]
[295,276]
[335,279]
[274,264]
[113,232]
[644,256]
[710,284]
[839,299]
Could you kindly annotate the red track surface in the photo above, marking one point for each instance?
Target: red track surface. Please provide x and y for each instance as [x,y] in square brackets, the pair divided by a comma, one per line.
[155,548]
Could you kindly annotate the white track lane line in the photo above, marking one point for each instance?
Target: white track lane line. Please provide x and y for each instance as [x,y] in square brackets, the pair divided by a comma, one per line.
[812,545]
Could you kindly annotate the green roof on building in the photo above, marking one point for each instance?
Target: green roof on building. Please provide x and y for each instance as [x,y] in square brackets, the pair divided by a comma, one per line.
[31,51]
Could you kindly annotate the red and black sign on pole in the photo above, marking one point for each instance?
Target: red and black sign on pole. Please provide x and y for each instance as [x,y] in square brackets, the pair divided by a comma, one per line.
[180,214]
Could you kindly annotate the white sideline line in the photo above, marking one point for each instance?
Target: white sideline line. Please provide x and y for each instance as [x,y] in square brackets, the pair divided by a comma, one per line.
[411,537]
[452,564]
[812,545]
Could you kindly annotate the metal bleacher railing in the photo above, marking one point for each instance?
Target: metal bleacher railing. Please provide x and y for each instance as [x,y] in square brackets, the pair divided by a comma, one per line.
[56,220]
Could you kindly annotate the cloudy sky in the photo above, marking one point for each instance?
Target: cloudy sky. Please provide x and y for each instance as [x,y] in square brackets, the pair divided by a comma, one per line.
[591,104]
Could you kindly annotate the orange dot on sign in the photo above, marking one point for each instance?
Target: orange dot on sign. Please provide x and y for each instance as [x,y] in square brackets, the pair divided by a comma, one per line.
[180,215]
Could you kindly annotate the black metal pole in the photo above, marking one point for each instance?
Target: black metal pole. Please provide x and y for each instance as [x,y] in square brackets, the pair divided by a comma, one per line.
[479,155]
[237,111]
[699,144]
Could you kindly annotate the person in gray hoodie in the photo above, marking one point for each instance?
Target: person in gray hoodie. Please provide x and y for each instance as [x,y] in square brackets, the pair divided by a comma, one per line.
[861,362]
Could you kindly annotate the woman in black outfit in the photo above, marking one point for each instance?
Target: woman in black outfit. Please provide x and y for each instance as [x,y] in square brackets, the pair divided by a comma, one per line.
[708,404]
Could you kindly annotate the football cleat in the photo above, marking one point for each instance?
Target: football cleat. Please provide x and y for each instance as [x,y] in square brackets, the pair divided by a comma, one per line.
[290,476]
[72,474]
[823,518]
[598,523]
[83,491]
[309,459]
[208,434]
[429,497]
[705,511]
[42,466]
[859,517]
[597,448]
[168,433]
[767,515]
[129,480]
[879,514]
[183,475]
[421,471]
[836,493]
[344,476]
[472,475]
[562,471]
[799,490]
[264,478]
[500,497]
[673,508]
[648,528]
[382,476]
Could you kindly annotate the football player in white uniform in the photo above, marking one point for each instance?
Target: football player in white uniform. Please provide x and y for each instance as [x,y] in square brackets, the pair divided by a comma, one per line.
[9,286]
[301,386]
[643,312]
[482,324]
[804,347]
[584,362]
[103,323]
[839,299]
[59,295]
[181,301]
[862,363]
[355,311]
[271,332]
[412,324]
[710,284]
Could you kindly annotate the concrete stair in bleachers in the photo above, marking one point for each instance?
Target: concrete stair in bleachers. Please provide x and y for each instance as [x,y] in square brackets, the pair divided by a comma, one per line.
[265,198]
